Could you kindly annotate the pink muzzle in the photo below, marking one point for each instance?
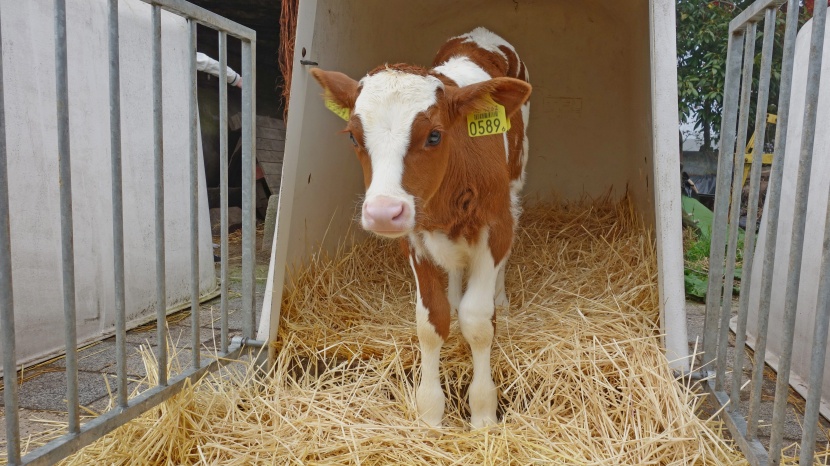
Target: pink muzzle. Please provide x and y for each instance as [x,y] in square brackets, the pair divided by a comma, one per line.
[386,216]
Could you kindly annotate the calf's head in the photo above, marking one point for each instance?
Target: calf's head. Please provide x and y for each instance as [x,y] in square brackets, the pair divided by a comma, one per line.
[403,123]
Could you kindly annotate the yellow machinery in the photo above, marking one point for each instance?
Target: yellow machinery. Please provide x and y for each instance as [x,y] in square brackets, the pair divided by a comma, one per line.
[750,149]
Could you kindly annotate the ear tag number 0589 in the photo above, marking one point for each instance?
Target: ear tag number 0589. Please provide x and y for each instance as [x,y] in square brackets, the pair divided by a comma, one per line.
[492,119]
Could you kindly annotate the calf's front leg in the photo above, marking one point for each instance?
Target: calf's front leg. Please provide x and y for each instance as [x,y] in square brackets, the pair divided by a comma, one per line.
[475,314]
[432,314]
[454,288]
[501,293]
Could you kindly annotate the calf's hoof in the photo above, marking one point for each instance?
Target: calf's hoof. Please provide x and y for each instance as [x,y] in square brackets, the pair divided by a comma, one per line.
[430,403]
[483,403]
[432,420]
[501,300]
[483,421]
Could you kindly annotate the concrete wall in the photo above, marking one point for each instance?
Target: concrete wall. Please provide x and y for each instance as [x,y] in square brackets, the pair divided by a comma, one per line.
[28,64]
[599,70]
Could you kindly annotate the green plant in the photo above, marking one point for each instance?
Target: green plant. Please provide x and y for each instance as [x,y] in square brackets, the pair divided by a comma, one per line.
[696,263]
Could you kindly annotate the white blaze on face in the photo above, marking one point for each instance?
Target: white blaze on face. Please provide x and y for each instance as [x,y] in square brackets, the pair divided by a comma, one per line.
[387,105]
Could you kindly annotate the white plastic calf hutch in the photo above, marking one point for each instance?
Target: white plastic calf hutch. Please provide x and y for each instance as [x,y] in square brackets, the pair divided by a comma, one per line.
[603,116]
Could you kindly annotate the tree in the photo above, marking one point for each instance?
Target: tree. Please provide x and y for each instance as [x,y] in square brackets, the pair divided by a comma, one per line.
[702,28]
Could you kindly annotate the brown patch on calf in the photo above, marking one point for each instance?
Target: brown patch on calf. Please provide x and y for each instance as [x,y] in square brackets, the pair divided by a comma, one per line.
[493,63]
[446,80]
[473,192]
[512,61]
[432,288]
[501,238]
[425,166]
[402,67]
[465,200]
[496,66]
[463,184]
[515,145]
[522,71]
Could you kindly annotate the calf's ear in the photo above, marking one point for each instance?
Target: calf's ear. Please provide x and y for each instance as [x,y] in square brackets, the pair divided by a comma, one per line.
[509,92]
[338,88]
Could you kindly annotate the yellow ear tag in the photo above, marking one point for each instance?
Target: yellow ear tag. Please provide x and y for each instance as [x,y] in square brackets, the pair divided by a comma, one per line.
[342,112]
[492,119]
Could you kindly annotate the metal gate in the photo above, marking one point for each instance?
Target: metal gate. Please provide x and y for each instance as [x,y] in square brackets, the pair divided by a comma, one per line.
[80,435]
[744,424]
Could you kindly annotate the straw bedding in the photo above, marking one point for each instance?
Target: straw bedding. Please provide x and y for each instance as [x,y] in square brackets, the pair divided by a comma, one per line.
[577,360]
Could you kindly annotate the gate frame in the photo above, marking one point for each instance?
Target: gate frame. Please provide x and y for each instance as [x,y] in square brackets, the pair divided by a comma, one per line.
[744,427]
[79,435]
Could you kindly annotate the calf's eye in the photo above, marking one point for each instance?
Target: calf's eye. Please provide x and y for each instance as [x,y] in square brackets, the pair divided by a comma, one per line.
[351,136]
[434,138]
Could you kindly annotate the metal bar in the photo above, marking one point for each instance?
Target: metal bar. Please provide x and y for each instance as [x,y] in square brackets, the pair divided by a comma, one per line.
[735,205]
[252,218]
[752,209]
[248,342]
[10,389]
[252,196]
[223,184]
[752,449]
[80,436]
[67,241]
[690,376]
[208,18]
[773,201]
[194,203]
[819,348]
[68,444]
[799,220]
[117,207]
[718,242]
[248,169]
[158,175]
[753,13]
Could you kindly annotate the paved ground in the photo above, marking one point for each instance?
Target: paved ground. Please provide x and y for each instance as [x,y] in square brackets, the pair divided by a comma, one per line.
[795,409]
[42,395]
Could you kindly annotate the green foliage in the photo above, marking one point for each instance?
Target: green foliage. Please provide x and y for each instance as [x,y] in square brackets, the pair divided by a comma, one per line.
[696,270]
[702,28]
[698,216]
[702,32]
[696,245]
[696,285]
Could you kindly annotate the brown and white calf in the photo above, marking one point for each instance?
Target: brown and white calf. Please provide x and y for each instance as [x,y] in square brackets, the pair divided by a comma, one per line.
[453,199]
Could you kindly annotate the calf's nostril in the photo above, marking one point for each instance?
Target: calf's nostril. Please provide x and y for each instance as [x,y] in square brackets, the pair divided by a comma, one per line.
[397,212]
[384,209]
